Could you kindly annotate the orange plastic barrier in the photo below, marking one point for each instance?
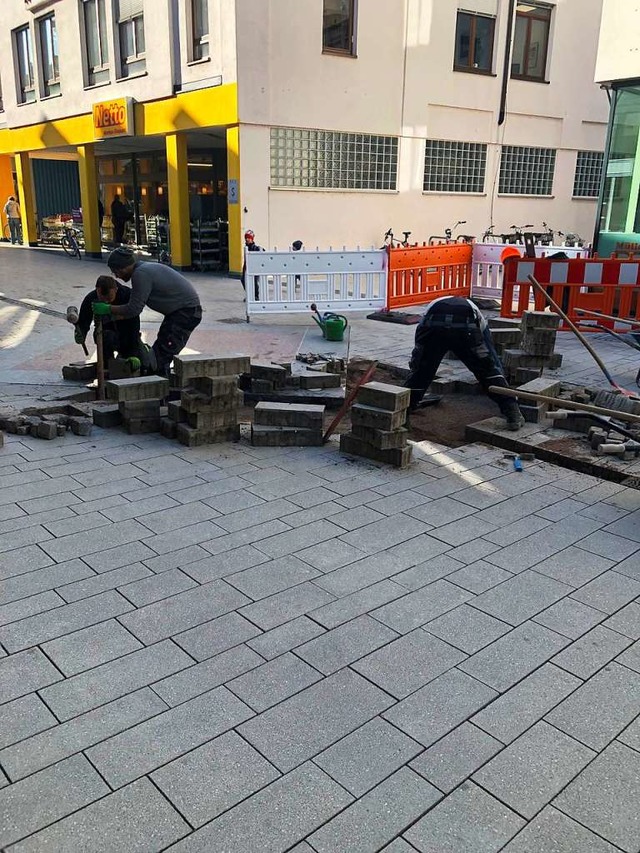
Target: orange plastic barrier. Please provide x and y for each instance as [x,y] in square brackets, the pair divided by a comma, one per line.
[608,286]
[420,274]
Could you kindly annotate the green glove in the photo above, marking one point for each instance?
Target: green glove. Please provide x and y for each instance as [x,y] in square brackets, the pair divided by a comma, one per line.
[134,362]
[78,335]
[101,309]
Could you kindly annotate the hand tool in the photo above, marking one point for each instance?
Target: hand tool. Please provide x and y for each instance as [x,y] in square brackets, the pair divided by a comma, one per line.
[73,316]
[564,404]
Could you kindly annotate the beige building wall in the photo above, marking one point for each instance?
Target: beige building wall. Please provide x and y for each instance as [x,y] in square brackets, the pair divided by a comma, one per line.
[619,48]
[402,84]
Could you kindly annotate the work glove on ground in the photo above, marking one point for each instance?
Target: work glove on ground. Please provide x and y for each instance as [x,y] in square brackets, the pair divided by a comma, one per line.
[78,335]
[134,362]
[101,309]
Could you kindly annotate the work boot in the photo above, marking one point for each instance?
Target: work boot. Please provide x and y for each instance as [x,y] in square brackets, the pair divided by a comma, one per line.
[513,416]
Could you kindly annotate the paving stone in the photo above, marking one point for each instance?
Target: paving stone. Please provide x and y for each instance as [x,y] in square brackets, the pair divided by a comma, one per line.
[203,677]
[514,656]
[88,521]
[23,560]
[248,536]
[467,629]
[330,555]
[296,804]
[214,777]
[270,683]
[457,533]
[608,545]
[441,511]
[553,831]
[358,603]
[101,583]
[137,817]
[570,618]
[397,846]
[250,516]
[396,503]
[363,573]
[286,605]
[367,756]
[419,607]
[109,536]
[122,555]
[472,551]
[31,583]
[25,607]
[47,796]
[521,597]
[574,566]
[309,722]
[379,816]
[178,516]
[425,573]
[601,708]
[217,636]
[273,577]
[631,657]
[469,819]
[626,621]
[24,672]
[385,533]
[609,592]
[285,637]
[221,565]
[123,511]
[116,678]
[604,797]
[343,645]
[90,647]
[511,714]
[591,652]
[626,527]
[39,751]
[46,488]
[302,537]
[181,612]
[23,718]
[534,768]
[193,534]
[456,757]
[479,576]
[440,706]
[157,741]
[152,589]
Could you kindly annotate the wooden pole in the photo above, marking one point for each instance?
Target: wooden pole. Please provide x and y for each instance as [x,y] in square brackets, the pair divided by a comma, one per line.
[565,404]
[100,357]
[623,320]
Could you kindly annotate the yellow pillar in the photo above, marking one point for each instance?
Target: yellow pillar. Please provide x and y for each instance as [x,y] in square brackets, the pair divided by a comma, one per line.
[26,198]
[178,186]
[236,243]
[6,187]
[89,200]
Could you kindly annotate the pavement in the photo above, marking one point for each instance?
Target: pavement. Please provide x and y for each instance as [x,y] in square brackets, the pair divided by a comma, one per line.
[253,650]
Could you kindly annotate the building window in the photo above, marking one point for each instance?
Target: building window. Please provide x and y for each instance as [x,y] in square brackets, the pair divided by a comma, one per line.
[131,37]
[531,41]
[200,29]
[526,171]
[95,33]
[324,159]
[586,183]
[338,26]
[49,56]
[474,42]
[24,61]
[454,167]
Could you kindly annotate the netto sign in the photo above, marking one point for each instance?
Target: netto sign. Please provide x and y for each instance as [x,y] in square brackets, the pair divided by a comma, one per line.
[113,118]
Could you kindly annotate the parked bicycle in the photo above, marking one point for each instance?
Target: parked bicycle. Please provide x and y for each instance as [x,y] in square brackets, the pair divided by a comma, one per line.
[448,235]
[390,240]
[70,243]
[489,236]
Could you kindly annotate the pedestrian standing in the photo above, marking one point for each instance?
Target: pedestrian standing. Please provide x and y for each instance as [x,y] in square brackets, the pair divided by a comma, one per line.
[250,245]
[119,218]
[12,212]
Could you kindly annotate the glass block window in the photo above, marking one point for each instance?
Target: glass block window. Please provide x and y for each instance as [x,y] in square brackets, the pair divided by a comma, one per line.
[586,183]
[325,159]
[526,171]
[454,167]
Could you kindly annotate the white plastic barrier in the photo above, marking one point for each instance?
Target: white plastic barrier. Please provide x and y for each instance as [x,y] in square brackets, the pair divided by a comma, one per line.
[486,273]
[335,280]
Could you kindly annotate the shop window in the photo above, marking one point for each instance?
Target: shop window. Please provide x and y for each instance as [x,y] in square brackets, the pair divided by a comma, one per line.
[324,159]
[200,29]
[474,42]
[526,171]
[620,212]
[531,41]
[339,26]
[586,183]
[131,37]
[95,34]
[24,62]
[454,167]
[49,56]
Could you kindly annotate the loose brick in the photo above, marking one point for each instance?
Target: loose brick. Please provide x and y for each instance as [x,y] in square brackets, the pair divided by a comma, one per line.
[142,388]
[213,420]
[539,320]
[168,428]
[312,380]
[369,416]
[195,437]
[392,398]
[176,413]
[187,367]
[79,372]
[47,430]
[268,436]
[80,426]
[140,426]
[288,415]
[399,458]
[269,372]
[193,401]
[149,408]
[107,416]
[119,368]
[381,439]
[262,386]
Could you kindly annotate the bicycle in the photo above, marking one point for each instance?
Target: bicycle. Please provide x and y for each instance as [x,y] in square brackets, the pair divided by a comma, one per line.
[490,237]
[449,238]
[70,243]
[516,235]
[390,240]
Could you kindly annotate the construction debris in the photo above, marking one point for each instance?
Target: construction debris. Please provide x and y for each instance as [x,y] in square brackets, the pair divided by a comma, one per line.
[377,425]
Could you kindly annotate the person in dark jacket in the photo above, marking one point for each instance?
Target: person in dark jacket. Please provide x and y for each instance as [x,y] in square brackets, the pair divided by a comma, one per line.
[120,215]
[122,337]
[250,245]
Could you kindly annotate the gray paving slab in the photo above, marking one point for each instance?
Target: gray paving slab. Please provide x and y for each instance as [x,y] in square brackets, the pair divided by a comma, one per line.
[204,676]
[136,818]
[180,559]
[309,722]
[607,544]
[41,750]
[25,672]
[247,536]
[521,597]
[193,534]
[272,577]
[379,816]
[39,603]
[430,570]
[364,573]
[383,534]
[631,657]
[554,831]
[151,589]
[284,606]
[421,606]
[297,804]
[469,819]
[285,637]
[604,797]
[45,488]
[23,718]
[601,708]
[441,511]
[180,612]
[23,560]
[147,746]
[217,636]
[626,621]
[570,618]
[626,527]
[33,803]
[292,541]
[345,644]
[592,651]
[440,706]
[330,555]
[214,777]
[210,567]
[574,566]
[271,682]
[109,536]
[397,846]
[121,511]
[479,576]
[103,582]
[256,514]
[116,678]
[178,516]
[456,757]
[467,629]
[33,582]
[74,523]
[122,555]
[608,592]
[358,603]
[90,647]
[534,768]
[473,551]
[514,656]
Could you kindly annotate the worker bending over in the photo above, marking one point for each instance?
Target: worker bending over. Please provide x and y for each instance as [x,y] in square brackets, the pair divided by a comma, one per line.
[122,337]
[164,290]
[456,324]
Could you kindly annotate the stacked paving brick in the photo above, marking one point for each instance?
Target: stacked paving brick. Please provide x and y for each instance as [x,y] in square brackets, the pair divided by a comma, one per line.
[535,412]
[207,412]
[537,343]
[139,404]
[269,378]
[287,425]
[377,425]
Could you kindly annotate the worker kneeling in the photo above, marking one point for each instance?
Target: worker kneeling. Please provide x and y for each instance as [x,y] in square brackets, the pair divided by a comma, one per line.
[456,324]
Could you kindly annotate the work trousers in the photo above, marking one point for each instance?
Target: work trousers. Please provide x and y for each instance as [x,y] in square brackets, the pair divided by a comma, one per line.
[15,229]
[173,335]
[114,342]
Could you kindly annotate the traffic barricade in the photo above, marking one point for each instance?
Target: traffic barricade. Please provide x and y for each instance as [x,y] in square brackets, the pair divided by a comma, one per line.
[419,274]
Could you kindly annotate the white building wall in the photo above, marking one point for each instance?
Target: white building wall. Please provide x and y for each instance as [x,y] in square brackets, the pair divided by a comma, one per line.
[619,48]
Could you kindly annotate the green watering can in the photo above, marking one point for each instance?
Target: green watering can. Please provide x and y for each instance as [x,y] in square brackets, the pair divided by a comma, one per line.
[332,325]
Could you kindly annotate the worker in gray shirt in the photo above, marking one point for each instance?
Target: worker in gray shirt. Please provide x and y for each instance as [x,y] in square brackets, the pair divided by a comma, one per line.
[164,290]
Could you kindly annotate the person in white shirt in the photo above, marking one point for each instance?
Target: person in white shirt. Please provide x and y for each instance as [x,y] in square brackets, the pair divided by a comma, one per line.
[12,212]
